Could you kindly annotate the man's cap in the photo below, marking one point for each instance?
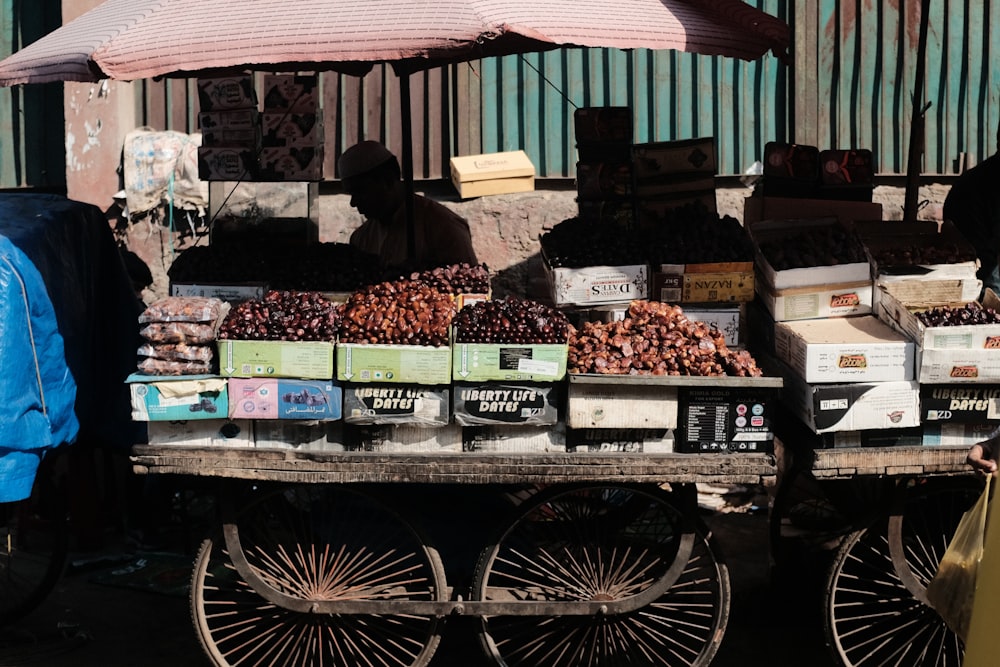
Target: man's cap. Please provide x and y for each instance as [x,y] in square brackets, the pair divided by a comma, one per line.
[362,158]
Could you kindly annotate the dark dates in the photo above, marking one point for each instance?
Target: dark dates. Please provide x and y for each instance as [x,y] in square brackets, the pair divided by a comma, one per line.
[511,320]
[283,315]
[813,246]
[950,316]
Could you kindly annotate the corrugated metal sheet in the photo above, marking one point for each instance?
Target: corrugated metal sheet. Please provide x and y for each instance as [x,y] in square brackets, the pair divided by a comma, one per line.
[855,67]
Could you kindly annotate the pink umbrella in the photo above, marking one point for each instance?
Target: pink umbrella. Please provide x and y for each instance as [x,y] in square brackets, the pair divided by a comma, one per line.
[136,39]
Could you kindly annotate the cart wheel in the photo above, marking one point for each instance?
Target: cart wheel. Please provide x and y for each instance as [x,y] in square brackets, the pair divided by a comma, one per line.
[604,543]
[871,616]
[318,543]
[34,544]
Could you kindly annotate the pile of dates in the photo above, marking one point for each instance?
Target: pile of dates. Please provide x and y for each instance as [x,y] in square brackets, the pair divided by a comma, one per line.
[656,339]
[693,234]
[576,243]
[911,255]
[511,320]
[951,316]
[813,246]
[456,279]
[282,315]
[400,312]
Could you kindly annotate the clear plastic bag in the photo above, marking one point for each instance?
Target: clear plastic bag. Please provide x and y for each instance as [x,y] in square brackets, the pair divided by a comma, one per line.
[952,590]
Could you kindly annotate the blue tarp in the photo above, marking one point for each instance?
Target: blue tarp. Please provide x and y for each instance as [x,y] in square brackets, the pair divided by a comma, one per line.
[38,393]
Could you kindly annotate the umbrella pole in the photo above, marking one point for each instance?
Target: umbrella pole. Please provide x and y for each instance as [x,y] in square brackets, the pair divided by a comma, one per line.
[407,129]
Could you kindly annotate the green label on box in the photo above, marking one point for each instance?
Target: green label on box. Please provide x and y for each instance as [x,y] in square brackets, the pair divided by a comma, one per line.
[265,358]
[476,362]
[414,364]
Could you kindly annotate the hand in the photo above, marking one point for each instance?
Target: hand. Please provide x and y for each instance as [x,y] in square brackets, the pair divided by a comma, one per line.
[981,459]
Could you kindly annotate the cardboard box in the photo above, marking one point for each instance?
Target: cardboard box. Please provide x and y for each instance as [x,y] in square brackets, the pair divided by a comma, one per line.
[593,285]
[227,163]
[853,406]
[604,124]
[397,404]
[959,337]
[626,440]
[621,406]
[727,319]
[651,212]
[227,92]
[267,358]
[286,128]
[481,362]
[725,419]
[850,167]
[844,349]
[909,248]
[603,180]
[204,433]
[404,439]
[507,404]
[397,364]
[224,136]
[704,283]
[805,303]
[233,120]
[790,170]
[291,92]
[492,174]
[958,366]
[300,435]
[228,293]
[897,437]
[291,163]
[659,161]
[279,398]
[956,435]
[921,293]
[759,207]
[514,439]
[184,398]
[778,231]
[975,404]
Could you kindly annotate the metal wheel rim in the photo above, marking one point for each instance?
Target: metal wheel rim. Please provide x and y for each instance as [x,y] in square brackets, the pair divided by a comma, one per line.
[582,544]
[870,616]
[318,543]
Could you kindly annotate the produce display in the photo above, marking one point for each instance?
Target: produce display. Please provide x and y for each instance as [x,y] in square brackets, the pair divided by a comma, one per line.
[456,279]
[575,243]
[656,339]
[692,234]
[401,312]
[813,246]
[949,316]
[282,315]
[511,320]
[918,254]
[323,267]
[177,334]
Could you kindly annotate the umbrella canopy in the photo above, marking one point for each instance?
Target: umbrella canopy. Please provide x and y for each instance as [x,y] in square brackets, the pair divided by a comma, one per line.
[136,39]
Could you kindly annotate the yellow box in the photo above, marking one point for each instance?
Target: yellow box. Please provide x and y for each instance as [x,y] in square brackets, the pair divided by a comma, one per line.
[492,174]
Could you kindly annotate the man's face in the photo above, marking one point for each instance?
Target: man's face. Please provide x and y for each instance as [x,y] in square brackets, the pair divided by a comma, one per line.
[370,195]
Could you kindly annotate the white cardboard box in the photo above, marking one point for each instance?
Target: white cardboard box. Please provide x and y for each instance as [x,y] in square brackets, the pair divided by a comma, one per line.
[844,349]
[964,435]
[958,366]
[592,285]
[206,433]
[853,406]
[300,435]
[769,230]
[806,303]
[621,407]
[514,439]
[492,174]
[960,337]
[727,319]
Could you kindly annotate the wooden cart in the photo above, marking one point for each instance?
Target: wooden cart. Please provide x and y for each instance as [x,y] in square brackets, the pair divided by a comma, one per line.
[891,511]
[561,559]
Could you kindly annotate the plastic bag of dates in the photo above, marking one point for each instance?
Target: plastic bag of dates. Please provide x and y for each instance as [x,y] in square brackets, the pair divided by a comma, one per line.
[656,339]
[283,315]
[184,309]
[511,320]
[400,312]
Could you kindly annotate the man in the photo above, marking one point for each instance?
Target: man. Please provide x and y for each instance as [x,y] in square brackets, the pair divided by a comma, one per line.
[370,174]
[973,205]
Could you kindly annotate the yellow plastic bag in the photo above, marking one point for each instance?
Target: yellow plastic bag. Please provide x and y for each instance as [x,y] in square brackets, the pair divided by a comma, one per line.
[952,590]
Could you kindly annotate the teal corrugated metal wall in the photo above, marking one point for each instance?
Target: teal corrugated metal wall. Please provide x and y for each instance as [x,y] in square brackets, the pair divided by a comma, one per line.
[855,68]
